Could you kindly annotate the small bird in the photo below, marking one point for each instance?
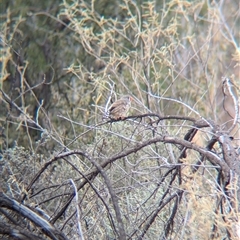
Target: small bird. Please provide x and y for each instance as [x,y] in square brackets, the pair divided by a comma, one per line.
[119,109]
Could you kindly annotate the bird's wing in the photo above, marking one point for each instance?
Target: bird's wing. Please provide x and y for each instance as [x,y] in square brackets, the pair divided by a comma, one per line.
[115,105]
[116,108]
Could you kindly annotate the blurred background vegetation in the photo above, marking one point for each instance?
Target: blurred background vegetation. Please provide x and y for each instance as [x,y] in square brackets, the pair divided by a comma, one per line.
[167,48]
[60,61]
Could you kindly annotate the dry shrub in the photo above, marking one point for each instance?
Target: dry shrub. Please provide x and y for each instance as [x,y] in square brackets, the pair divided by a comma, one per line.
[167,171]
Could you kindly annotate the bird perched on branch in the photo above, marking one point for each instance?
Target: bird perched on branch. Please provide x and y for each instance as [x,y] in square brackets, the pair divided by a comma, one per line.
[119,109]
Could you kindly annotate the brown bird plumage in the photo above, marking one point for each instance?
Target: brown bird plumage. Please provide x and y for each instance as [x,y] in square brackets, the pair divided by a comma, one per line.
[119,109]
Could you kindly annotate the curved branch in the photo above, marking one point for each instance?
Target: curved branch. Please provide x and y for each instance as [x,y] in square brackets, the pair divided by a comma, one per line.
[44,226]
